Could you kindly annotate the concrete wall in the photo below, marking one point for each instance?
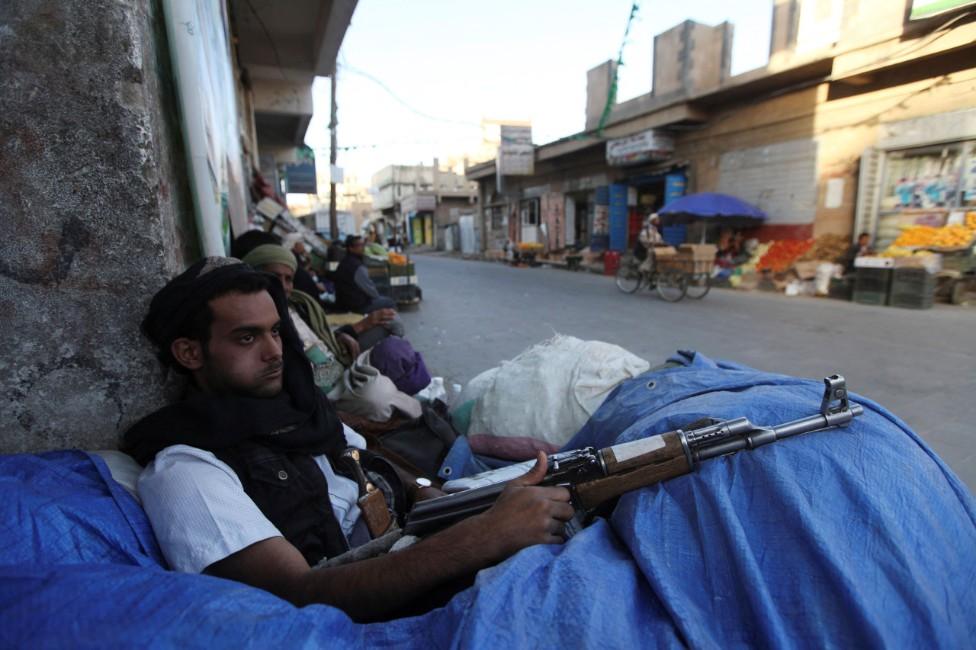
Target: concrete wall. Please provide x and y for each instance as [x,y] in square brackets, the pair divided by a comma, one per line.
[691,57]
[95,212]
[598,81]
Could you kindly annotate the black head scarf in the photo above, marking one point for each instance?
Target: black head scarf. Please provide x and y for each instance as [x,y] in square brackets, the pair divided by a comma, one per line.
[299,419]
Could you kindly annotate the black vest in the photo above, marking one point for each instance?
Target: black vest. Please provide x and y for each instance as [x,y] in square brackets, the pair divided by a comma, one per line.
[348,294]
[292,493]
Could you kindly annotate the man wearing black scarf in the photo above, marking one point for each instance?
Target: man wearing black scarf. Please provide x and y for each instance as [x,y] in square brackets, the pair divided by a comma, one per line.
[240,480]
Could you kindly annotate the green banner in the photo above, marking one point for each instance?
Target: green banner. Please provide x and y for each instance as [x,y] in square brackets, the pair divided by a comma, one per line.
[928,8]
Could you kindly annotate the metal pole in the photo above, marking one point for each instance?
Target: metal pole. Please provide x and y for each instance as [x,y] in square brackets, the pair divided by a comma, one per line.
[333,215]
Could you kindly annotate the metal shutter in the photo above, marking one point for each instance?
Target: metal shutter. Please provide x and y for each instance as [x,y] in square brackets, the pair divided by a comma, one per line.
[780,179]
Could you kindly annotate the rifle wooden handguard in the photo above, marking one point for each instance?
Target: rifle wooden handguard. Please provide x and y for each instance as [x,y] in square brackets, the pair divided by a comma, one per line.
[623,475]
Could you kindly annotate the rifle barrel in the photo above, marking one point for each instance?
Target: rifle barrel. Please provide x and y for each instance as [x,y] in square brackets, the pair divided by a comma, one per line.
[765,435]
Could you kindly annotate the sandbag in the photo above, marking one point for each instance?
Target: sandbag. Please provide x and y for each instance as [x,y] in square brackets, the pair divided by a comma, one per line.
[550,390]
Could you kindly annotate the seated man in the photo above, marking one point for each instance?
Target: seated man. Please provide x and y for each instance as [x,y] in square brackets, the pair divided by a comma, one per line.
[242,477]
[355,290]
[856,250]
[366,333]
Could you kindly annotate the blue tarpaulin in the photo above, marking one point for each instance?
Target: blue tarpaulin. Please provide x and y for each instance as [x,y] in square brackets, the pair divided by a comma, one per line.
[855,537]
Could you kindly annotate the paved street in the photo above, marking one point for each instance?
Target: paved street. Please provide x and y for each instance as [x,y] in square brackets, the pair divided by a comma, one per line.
[919,364]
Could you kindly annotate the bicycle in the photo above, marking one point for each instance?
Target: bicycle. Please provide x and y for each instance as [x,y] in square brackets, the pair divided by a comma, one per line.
[670,284]
[699,285]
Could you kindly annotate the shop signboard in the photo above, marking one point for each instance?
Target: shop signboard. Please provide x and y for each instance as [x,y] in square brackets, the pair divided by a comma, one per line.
[300,179]
[300,176]
[640,147]
[516,155]
[418,203]
[927,8]
[345,220]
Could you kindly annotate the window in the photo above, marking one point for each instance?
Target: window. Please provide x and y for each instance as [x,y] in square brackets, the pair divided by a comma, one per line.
[529,212]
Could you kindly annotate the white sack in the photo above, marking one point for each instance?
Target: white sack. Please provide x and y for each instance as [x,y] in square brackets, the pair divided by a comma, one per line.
[549,391]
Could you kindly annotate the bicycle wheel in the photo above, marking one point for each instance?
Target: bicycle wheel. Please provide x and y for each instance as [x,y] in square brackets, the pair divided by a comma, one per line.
[629,278]
[672,285]
[698,285]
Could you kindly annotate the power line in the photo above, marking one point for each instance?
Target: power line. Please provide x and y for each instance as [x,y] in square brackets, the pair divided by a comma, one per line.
[267,34]
[403,102]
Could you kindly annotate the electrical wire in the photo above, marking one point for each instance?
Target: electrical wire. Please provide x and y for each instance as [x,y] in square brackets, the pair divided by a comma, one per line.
[932,37]
[404,103]
[271,42]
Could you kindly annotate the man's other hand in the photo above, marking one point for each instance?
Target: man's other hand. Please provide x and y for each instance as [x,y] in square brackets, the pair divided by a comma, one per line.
[351,344]
[380,317]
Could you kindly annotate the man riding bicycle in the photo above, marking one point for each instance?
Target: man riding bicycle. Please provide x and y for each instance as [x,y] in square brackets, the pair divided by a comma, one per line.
[649,237]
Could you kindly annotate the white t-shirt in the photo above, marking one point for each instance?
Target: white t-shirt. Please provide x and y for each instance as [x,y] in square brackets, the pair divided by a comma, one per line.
[200,513]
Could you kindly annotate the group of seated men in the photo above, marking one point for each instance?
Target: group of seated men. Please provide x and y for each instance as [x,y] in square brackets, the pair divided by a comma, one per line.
[248,476]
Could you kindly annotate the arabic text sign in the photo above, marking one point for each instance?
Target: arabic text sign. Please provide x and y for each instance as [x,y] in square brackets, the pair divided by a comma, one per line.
[641,147]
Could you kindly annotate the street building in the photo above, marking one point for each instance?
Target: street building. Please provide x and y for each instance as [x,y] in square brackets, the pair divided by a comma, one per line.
[864,119]
[429,205]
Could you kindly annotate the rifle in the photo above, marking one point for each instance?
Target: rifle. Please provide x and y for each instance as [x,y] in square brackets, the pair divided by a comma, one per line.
[594,477]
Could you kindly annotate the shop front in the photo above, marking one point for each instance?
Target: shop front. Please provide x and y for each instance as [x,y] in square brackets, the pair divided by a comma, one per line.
[648,180]
[419,209]
[921,173]
[421,228]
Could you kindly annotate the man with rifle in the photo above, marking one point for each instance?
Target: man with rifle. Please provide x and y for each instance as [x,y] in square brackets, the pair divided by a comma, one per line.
[252,476]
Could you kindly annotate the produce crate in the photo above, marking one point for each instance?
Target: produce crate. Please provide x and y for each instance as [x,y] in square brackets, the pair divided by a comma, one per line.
[408,293]
[702,257]
[871,286]
[841,288]
[962,262]
[402,269]
[912,289]
[667,259]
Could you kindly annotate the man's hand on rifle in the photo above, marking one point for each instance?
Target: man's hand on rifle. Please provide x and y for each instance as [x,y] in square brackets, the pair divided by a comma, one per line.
[527,513]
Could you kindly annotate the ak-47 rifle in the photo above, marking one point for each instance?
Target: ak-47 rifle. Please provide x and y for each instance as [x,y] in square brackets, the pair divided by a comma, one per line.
[594,477]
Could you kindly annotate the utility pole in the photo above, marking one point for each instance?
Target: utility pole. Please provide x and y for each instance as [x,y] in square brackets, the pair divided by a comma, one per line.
[333,215]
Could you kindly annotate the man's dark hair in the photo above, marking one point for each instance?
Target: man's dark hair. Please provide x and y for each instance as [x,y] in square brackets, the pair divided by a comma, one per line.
[196,325]
[864,234]
[352,240]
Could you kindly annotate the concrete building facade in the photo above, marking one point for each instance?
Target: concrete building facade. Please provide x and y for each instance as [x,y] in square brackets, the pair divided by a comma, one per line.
[101,199]
[854,104]
[426,203]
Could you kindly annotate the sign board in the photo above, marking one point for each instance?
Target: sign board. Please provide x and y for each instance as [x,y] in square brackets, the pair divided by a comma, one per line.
[641,147]
[418,203]
[300,178]
[516,155]
[927,8]
[345,220]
